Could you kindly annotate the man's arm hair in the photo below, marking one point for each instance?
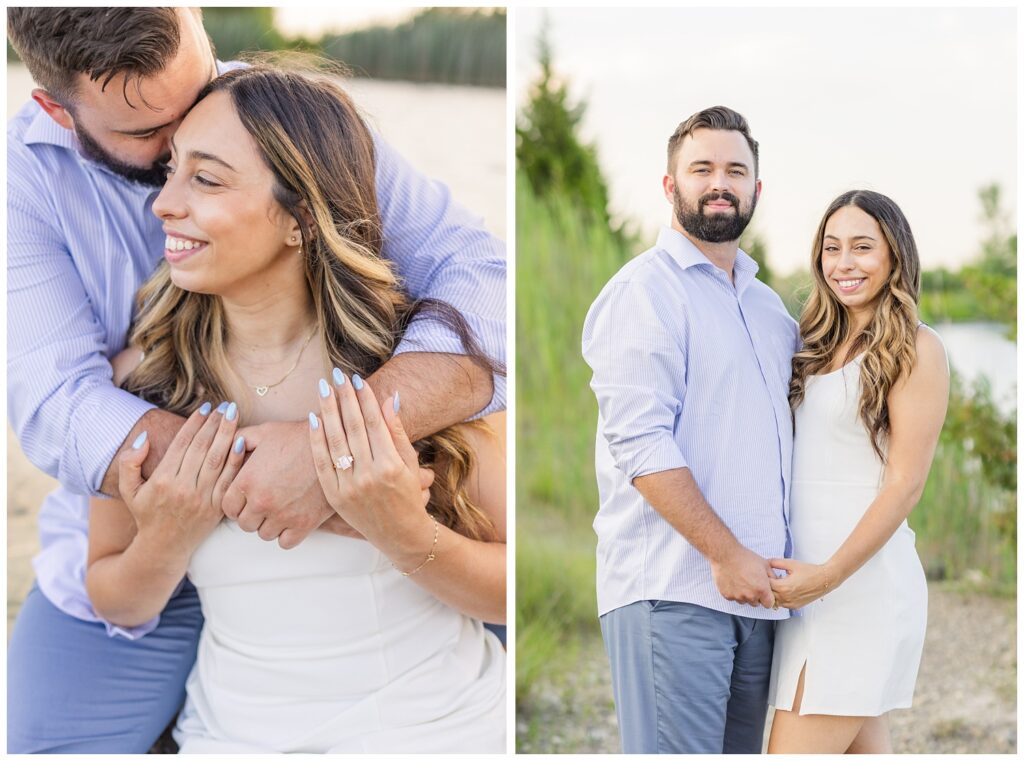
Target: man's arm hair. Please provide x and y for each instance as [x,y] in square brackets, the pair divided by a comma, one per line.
[436,390]
[678,499]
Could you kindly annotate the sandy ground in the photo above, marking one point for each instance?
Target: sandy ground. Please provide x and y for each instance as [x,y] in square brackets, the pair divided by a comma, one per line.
[26,487]
[965,700]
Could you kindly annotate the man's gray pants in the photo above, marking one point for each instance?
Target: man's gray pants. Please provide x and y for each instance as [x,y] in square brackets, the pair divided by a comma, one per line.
[688,679]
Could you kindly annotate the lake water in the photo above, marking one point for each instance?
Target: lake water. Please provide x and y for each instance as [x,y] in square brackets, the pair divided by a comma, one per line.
[454,134]
[982,349]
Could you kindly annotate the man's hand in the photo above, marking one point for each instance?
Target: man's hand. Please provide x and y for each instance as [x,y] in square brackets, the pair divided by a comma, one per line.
[744,576]
[740,575]
[161,428]
[277,493]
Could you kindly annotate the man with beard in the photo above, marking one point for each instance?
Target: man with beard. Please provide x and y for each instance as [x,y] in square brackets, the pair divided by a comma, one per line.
[85,162]
[691,360]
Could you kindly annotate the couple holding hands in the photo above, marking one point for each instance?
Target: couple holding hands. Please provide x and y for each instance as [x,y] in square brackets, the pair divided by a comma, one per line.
[755,475]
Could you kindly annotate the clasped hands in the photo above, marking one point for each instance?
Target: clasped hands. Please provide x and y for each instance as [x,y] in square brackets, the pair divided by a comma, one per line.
[264,476]
[746,577]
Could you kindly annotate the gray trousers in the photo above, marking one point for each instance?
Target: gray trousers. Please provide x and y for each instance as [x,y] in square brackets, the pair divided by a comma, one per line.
[688,679]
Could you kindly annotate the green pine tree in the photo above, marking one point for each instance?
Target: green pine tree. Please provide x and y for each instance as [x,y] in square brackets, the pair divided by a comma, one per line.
[548,150]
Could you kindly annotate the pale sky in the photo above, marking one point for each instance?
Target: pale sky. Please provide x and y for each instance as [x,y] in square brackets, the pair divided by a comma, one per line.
[314,21]
[916,103]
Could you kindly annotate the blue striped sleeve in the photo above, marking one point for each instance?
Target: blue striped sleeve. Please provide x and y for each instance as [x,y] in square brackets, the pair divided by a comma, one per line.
[443,252]
[639,377]
[67,415]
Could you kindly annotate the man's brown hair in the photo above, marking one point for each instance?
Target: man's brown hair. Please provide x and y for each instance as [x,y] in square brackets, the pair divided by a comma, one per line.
[716,117]
[58,44]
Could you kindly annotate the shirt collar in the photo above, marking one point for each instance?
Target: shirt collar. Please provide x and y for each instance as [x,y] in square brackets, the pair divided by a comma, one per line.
[681,248]
[43,129]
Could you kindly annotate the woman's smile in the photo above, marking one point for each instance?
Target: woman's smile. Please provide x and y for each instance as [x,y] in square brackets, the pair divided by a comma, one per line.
[178,247]
[850,285]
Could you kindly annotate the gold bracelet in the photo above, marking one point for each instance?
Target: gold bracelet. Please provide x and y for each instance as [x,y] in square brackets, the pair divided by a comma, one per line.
[430,555]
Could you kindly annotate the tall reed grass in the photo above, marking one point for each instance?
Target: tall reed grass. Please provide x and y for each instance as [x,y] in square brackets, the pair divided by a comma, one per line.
[563,261]
[450,45]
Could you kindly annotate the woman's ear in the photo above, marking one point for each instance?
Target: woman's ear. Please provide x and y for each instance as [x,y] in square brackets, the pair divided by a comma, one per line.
[295,228]
[307,217]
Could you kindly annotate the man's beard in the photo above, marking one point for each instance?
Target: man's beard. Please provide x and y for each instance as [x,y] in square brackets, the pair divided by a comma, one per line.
[154,176]
[716,227]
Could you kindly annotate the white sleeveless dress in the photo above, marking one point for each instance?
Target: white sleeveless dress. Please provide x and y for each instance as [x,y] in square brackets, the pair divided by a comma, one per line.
[325,648]
[861,642]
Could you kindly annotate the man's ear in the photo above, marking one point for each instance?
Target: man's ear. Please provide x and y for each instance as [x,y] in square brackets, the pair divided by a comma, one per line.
[56,111]
[668,184]
[757,189]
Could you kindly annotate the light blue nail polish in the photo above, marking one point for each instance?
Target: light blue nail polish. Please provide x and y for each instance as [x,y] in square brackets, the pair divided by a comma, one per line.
[313,422]
[137,444]
[205,409]
[398,403]
[222,407]
[357,382]
[232,411]
[324,390]
[239,444]
[339,377]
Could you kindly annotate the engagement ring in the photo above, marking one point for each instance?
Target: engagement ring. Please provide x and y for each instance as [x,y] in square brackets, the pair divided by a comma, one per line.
[344,462]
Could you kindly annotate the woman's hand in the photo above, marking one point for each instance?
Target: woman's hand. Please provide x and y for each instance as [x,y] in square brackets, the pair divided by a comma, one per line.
[180,503]
[803,584]
[369,470]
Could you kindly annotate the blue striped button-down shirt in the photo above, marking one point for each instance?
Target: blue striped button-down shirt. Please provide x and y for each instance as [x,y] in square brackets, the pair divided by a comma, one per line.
[690,371]
[81,240]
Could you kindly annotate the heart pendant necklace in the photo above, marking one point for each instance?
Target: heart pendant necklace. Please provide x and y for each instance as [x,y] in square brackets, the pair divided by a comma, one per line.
[263,389]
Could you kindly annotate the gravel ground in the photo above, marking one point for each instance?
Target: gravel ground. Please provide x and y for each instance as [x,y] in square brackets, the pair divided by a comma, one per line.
[965,702]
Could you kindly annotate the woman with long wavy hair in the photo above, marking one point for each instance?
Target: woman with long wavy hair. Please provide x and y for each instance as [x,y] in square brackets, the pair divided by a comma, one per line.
[274,283]
[869,391]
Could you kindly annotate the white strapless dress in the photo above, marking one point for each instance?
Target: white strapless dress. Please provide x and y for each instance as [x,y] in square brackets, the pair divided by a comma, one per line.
[325,648]
[862,642]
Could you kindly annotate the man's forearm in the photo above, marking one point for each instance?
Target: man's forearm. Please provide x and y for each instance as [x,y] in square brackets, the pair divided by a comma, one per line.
[436,390]
[161,428]
[678,499]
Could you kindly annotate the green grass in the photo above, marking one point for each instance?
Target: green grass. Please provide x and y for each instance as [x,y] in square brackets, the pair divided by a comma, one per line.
[563,262]
[451,45]
[556,604]
[961,520]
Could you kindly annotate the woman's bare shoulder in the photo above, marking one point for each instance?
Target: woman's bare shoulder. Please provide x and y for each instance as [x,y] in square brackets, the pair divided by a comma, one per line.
[491,429]
[126,361]
[931,352]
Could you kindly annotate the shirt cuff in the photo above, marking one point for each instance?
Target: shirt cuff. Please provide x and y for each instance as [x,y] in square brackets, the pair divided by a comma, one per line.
[99,428]
[647,453]
[133,632]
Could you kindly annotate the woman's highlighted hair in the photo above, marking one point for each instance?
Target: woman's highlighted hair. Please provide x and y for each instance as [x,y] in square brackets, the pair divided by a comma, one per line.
[889,339]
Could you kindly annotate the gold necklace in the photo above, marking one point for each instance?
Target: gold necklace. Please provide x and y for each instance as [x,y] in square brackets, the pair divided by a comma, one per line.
[262,390]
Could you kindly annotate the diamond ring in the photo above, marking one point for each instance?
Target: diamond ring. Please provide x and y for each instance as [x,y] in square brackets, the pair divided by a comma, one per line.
[344,462]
